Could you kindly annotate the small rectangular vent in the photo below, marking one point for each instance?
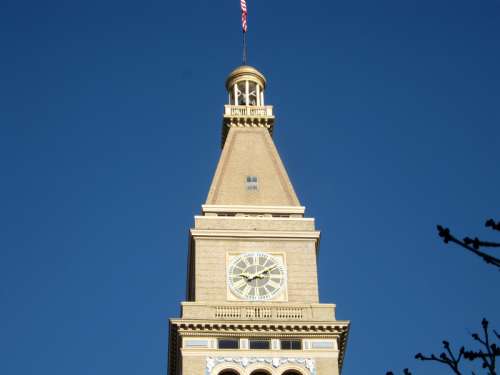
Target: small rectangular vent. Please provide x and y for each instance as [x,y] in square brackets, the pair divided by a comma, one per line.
[251,183]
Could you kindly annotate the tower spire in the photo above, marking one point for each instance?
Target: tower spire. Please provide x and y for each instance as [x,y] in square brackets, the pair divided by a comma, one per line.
[252,304]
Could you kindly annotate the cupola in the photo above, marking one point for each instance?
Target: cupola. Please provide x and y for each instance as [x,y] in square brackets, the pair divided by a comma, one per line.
[245,86]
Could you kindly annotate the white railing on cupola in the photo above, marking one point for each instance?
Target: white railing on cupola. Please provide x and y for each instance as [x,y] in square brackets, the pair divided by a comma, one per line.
[248,111]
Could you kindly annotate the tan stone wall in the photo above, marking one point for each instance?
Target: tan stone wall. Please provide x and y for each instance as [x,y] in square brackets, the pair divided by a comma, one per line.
[327,366]
[253,223]
[211,266]
[193,363]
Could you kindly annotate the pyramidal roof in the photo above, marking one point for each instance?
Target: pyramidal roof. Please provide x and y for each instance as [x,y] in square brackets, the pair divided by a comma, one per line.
[250,172]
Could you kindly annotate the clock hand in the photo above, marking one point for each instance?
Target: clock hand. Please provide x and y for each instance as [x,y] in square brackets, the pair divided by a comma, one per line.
[246,275]
[250,277]
[261,272]
[258,274]
[270,268]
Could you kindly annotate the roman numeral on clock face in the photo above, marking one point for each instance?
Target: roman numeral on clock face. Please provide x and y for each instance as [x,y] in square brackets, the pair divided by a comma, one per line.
[246,290]
[240,283]
[271,283]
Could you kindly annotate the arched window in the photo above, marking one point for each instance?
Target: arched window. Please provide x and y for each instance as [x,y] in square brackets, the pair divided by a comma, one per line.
[228,372]
[292,372]
[252,93]
[242,96]
[260,372]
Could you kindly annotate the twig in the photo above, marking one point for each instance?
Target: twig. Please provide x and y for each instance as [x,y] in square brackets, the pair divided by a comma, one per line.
[491,223]
[447,237]
[449,359]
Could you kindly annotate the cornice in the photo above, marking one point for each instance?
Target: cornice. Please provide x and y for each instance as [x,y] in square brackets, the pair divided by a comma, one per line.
[216,208]
[337,326]
[200,233]
[255,217]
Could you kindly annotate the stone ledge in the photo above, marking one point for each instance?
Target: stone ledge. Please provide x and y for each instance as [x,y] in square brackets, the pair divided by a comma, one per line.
[263,311]
[215,208]
[280,235]
[253,223]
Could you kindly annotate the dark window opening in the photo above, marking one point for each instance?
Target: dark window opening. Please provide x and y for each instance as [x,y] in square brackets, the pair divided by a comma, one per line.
[229,343]
[291,344]
[260,344]
[260,372]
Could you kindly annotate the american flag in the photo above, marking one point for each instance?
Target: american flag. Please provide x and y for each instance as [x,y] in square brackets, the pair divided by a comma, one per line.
[244,15]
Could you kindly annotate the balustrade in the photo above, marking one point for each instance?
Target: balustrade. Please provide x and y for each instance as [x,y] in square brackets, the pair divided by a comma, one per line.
[259,312]
[305,312]
[250,111]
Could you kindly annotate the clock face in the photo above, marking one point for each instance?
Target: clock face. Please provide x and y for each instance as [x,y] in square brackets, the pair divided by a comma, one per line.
[256,276]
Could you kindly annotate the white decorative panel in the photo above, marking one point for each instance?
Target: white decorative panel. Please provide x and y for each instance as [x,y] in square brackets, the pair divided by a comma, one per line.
[244,343]
[196,343]
[275,344]
[322,345]
[308,363]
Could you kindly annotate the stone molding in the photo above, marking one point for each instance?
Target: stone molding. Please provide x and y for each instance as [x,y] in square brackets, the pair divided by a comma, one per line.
[308,364]
[253,209]
[339,326]
[281,235]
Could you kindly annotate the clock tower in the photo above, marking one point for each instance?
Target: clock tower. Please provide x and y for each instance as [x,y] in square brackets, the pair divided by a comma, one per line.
[252,304]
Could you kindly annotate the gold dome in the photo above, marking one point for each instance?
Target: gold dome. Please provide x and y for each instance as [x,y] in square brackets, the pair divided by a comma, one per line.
[245,73]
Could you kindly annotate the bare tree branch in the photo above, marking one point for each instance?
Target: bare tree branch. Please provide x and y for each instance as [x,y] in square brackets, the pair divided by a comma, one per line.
[487,354]
[491,223]
[477,243]
[447,237]
[449,359]
[405,372]
[489,351]
[488,358]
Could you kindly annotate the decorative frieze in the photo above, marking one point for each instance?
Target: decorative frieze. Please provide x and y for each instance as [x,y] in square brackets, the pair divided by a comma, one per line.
[338,327]
[276,362]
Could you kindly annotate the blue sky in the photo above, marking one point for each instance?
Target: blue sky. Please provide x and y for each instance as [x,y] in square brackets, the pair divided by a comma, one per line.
[388,118]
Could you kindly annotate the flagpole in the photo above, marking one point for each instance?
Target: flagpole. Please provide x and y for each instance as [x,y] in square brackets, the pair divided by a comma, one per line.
[244,48]
[244,14]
